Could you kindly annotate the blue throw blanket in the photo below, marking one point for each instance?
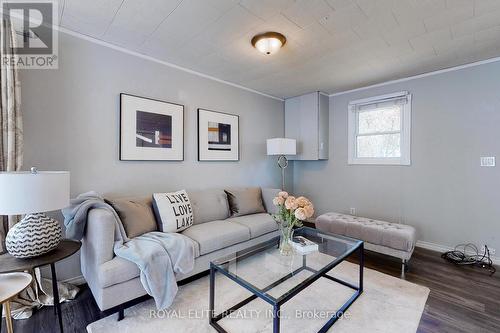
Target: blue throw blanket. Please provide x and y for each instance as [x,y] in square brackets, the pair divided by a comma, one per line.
[158,255]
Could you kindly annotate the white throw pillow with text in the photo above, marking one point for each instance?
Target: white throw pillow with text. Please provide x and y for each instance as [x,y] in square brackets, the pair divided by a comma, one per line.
[173,211]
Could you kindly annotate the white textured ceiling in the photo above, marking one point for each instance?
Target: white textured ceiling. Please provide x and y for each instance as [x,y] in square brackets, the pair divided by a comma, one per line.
[333,45]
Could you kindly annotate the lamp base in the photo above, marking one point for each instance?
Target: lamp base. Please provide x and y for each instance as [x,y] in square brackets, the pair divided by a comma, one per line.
[283,164]
[34,235]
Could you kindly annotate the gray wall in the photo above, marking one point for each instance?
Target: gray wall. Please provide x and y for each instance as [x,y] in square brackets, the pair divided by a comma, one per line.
[71,122]
[445,194]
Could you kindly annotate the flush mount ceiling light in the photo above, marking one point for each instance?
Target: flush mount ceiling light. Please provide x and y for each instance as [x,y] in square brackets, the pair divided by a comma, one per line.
[269,42]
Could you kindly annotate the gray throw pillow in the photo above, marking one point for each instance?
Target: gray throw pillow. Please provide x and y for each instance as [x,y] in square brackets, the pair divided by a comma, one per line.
[268,194]
[209,205]
[136,215]
[245,201]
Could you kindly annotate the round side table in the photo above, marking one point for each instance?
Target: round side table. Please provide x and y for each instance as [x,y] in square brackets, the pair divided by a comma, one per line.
[11,284]
[65,249]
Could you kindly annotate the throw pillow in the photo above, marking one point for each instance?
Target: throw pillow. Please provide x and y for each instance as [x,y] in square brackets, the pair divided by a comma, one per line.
[268,194]
[209,205]
[136,215]
[173,211]
[245,201]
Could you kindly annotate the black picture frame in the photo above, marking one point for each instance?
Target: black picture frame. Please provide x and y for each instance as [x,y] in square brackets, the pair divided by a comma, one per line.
[121,131]
[200,145]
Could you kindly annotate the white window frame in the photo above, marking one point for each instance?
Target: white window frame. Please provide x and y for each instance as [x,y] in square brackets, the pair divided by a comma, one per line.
[405,133]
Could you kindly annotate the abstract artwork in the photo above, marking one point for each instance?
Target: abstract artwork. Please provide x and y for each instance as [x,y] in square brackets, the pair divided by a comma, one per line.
[218,137]
[151,129]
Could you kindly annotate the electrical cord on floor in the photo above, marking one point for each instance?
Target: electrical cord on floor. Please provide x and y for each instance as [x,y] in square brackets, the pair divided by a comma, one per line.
[468,254]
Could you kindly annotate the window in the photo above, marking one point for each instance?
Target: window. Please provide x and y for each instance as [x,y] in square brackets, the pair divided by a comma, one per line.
[379,130]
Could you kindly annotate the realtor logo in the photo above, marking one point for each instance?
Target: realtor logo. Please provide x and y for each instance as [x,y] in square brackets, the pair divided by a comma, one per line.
[29,40]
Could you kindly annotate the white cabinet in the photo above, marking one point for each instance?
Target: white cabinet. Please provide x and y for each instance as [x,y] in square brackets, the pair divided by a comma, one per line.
[306,120]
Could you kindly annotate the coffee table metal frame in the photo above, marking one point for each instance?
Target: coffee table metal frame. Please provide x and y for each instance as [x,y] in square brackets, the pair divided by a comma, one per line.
[276,303]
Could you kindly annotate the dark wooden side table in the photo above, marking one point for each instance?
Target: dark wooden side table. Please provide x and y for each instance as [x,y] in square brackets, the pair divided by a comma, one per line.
[65,249]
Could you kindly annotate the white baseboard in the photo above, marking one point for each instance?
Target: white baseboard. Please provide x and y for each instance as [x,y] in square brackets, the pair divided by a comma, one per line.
[433,246]
[443,248]
[77,280]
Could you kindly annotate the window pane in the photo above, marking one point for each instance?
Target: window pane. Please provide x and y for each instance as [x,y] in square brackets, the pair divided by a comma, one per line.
[380,120]
[385,145]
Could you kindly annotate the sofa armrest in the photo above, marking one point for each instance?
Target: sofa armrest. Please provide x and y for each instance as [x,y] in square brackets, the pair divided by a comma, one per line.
[268,195]
[99,240]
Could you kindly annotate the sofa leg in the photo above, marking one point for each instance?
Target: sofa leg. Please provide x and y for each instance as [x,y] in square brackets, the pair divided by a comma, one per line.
[404,268]
[121,314]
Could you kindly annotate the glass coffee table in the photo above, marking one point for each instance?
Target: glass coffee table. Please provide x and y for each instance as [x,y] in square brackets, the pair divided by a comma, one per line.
[261,270]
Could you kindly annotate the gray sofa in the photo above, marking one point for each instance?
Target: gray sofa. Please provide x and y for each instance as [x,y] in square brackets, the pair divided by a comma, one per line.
[115,281]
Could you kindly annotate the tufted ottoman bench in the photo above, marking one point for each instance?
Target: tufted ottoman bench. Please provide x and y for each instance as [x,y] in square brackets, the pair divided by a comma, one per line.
[396,240]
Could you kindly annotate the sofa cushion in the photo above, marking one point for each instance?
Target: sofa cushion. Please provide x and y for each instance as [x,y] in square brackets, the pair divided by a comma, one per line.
[209,205]
[245,201]
[216,235]
[136,214]
[259,224]
[116,271]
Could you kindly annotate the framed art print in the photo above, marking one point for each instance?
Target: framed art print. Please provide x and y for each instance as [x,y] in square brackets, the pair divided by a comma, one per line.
[150,130]
[218,136]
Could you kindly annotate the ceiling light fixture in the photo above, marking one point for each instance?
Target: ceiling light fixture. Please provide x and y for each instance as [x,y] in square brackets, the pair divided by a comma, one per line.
[269,42]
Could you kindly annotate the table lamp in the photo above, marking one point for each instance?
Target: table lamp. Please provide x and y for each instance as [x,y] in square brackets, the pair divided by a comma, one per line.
[282,147]
[33,193]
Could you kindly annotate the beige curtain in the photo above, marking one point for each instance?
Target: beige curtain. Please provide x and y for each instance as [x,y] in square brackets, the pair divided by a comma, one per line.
[11,159]
[11,123]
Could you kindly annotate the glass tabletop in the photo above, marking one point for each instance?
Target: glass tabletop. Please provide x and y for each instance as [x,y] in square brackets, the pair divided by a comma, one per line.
[264,270]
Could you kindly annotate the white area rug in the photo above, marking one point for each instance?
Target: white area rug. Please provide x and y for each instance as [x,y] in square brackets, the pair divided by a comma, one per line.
[387,305]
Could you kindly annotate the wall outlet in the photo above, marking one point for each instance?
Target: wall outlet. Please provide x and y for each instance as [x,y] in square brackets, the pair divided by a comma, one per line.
[488,161]
[492,251]
[352,211]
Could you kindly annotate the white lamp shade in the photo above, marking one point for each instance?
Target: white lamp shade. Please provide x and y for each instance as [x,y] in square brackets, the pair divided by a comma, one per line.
[27,193]
[281,146]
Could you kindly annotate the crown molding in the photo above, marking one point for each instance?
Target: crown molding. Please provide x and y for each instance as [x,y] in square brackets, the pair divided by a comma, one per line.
[419,76]
[206,76]
[161,62]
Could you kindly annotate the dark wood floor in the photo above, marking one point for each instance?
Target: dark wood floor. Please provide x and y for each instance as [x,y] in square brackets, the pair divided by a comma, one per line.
[462,299]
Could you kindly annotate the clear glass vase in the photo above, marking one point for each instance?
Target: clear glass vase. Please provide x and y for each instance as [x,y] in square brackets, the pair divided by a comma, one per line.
[286,235]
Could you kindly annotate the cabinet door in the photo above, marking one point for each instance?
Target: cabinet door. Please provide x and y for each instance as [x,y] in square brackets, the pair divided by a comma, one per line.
[292,122]
[309,127]
[301,124]
[323,127]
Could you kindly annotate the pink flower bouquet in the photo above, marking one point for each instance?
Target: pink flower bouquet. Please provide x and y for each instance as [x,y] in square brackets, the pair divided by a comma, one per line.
[291,212]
